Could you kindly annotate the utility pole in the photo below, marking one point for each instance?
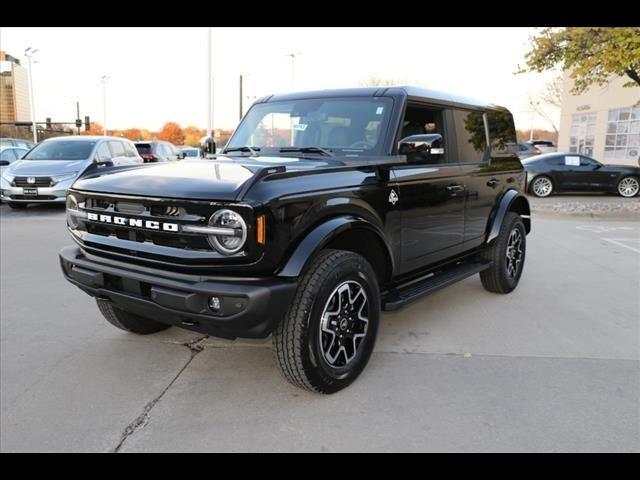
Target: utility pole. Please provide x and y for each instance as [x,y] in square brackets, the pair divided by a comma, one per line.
[29,52]
[104,103]
[78,117]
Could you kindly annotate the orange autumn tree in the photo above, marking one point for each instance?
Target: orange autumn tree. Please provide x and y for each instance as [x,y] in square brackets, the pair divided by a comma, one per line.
[171,132]
[133,134]
[94,129]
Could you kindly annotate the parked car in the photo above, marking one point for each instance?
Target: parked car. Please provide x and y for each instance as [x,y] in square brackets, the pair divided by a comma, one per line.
[159,151]
[16,142]
[8,155]
[191,152]
[544,146]
[573,172]
[372,198]
[45,173]
[526,150]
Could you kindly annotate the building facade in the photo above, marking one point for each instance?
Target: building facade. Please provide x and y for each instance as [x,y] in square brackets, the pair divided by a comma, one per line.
[14,90]
[603,122]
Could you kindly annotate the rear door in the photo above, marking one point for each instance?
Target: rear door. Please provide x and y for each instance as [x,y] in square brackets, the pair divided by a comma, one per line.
[118,154]
[431,195]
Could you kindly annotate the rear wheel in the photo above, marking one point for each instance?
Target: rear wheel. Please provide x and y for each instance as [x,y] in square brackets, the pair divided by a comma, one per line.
[628,186]
[327,336]
[542,186]
[506,253]
[129,322]
[18,206]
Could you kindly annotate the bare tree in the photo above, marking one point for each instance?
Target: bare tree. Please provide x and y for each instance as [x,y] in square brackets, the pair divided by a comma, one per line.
[552,93]
[377,81]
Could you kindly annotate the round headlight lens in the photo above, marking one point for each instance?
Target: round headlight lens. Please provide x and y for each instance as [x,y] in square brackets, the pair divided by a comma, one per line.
[231,243]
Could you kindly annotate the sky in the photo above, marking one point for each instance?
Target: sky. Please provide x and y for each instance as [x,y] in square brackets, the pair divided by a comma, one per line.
[158,75]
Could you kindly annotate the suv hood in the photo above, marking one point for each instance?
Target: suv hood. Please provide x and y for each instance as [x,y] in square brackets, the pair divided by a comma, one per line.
[223,179]
[45,167]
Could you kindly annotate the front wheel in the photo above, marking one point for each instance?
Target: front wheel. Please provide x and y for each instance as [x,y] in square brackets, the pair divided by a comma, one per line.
[542,186]
[327,336]
[628,187]
[506,255]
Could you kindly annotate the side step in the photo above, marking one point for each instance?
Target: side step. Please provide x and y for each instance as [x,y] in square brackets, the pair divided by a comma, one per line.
[399,297]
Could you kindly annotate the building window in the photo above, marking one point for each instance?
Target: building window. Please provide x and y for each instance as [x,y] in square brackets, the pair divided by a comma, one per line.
[623,134]
[583,131]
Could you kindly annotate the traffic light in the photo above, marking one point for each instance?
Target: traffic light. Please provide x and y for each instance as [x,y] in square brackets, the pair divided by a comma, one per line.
[78,122]
[87,123]
[48,123]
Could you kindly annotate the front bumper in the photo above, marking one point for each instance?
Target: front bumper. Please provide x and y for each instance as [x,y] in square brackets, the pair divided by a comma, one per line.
[250,307]
[55,194]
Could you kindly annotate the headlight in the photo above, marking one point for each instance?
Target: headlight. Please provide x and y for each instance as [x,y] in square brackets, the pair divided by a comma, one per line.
[8,176]
[64,176]
[233,240]
[73,211]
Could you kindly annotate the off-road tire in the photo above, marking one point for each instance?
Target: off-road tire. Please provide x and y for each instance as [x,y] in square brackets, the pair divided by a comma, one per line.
[496,279]
[297,338]
[127,321]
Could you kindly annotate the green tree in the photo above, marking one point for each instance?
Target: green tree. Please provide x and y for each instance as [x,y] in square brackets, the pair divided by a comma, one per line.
[592,55]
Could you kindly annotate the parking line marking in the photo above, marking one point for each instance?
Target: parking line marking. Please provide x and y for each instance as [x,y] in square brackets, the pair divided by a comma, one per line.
[616,241]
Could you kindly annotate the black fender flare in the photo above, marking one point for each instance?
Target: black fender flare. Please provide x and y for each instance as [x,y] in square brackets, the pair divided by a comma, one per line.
[320,236]
[496,219]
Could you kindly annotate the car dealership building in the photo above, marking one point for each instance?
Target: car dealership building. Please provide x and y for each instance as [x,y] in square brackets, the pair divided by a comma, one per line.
[603,122]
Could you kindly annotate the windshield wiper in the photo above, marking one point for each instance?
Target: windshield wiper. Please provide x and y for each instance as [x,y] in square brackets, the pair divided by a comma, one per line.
[320,150]
[246,148]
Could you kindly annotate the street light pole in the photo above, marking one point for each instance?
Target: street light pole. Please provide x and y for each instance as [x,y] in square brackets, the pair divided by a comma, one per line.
[104,103]
[29,52]
[209,86]
[293,73]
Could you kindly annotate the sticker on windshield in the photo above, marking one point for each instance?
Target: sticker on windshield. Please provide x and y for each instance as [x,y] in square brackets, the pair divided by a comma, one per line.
[299,126]
[572,160]
[379,110]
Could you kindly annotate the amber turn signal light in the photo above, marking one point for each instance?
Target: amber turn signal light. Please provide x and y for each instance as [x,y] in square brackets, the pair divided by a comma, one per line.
[260,230]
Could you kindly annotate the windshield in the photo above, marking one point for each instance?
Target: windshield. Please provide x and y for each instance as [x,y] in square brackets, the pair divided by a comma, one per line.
[62,150]
[143,148]
[349,126]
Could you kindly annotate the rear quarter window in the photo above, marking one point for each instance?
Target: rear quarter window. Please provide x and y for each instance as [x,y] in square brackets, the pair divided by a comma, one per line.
[553,161]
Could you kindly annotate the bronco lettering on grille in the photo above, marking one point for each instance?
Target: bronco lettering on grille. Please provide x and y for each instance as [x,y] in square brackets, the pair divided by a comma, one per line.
[133,222]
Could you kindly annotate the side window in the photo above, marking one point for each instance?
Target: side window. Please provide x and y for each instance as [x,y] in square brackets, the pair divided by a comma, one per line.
[117,149]
[587,162]
[8,154]
[471,136]
[421,120]
[555,161]
[130,150]
[103,152]
[502,133]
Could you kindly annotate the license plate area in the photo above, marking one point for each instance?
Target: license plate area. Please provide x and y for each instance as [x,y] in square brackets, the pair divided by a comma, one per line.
[32,192]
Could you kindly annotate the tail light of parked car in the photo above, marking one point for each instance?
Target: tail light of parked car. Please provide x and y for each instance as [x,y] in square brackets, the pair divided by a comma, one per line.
[535,151]
[149,157]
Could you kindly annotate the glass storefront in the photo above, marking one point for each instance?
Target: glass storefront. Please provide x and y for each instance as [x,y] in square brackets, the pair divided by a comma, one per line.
[623,134]
[583,131]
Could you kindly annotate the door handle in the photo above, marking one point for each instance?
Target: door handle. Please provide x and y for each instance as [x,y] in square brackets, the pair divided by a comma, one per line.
[493,183]
[455,188]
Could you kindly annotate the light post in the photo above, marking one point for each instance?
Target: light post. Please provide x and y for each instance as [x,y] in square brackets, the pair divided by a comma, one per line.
[104,103]
[29,52]
[209,85]
[293,73]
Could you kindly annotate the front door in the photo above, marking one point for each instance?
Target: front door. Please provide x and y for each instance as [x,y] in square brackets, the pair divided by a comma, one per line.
[431,196]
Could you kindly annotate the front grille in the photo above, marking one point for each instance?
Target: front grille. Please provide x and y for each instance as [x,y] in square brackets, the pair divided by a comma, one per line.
[33,197]
[126,232]
[38,182]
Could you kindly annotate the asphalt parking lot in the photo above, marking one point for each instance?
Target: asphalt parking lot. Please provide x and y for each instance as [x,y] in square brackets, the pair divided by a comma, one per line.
[554,366]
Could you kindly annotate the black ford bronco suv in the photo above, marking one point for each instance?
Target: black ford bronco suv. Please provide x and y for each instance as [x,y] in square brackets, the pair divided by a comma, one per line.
[323,209]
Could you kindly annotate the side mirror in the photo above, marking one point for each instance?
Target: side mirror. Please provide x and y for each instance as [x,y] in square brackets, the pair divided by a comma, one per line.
[4,163]
[181,155]
[426,148]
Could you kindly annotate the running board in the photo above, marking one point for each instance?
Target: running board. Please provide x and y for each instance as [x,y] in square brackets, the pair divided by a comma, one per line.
[399,297]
